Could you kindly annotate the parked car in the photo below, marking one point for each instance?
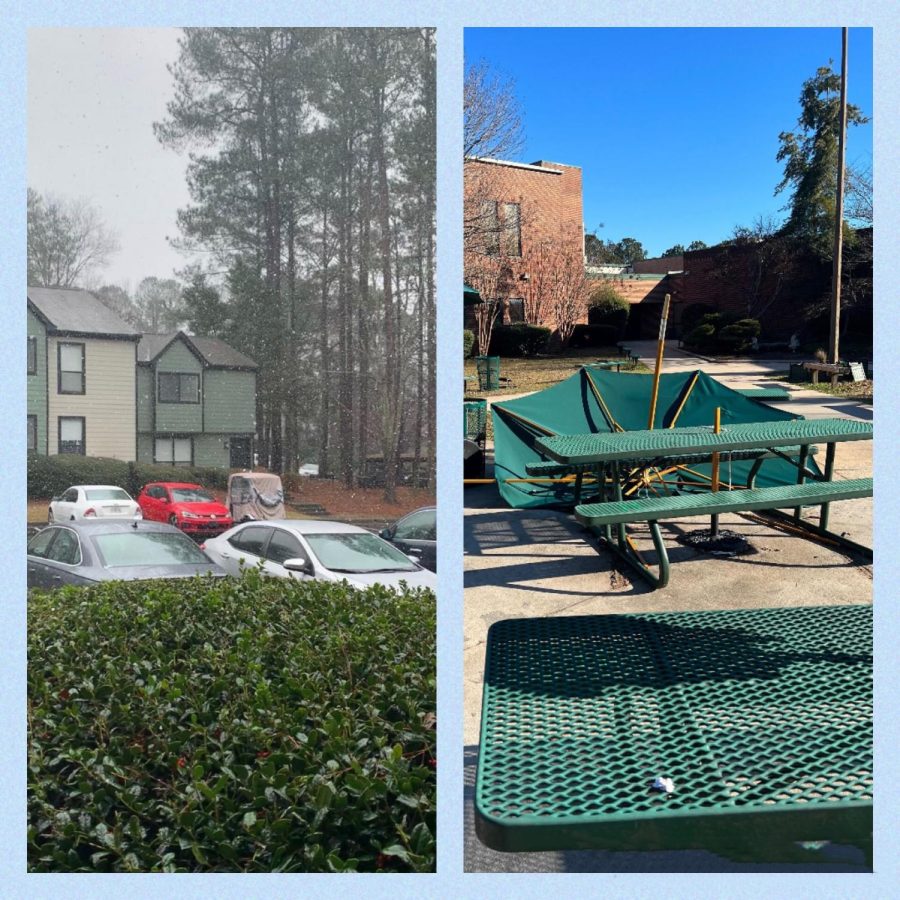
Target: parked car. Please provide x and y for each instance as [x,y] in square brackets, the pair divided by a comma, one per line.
[311,470]
[92,551]
[305,548]
[416,535]
[92,501]
[189,507]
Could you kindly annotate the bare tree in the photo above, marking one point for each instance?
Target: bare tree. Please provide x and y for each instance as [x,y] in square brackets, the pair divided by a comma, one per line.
[568,288]
[858,207]
[492,129]
[67,241]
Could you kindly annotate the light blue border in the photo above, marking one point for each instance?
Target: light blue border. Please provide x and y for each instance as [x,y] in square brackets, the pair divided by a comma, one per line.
[449,19]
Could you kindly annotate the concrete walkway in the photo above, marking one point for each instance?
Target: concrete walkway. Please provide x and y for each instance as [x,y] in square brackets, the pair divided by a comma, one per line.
[530,563]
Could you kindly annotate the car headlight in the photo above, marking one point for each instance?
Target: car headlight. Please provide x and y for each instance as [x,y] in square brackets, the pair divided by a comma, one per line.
[189,515]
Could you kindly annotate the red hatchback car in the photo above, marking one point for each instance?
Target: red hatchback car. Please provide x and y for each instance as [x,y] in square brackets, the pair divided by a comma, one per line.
[189,507]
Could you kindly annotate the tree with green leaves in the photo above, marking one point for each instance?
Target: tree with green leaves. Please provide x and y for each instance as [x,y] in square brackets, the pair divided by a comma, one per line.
[810,156]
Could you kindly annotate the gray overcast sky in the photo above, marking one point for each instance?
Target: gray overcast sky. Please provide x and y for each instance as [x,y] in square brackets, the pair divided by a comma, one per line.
[93,95]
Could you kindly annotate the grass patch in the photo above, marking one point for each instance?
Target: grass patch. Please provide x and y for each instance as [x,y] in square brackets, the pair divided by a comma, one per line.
[534,373]
[862,391]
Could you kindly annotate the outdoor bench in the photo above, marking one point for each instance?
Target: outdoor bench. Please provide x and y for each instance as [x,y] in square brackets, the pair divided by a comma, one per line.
[771,393]
[740,732]
[835,370]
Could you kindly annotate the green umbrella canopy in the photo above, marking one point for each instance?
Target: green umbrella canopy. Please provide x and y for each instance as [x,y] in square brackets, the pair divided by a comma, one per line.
[470,295]
[572,407]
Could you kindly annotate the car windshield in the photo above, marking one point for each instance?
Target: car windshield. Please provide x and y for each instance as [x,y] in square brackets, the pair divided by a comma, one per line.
[358,552]
[107,494]
[147,548]
[192,495]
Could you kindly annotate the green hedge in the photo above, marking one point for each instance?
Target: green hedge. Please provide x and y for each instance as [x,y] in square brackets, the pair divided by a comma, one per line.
[595,336]
[607,306]
[518,340]
[234,725]
[49,476]
[468,342]
[720,333]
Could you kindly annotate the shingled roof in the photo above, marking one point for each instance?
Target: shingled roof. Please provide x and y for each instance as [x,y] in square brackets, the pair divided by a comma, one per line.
[77,312]
[211,351]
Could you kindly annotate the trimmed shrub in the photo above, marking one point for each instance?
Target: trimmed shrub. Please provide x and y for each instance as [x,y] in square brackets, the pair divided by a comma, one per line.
[702,338]
[737,337]
[607,306]
[140,474]
[518,340]
[594,336]
[246,724]
[468,342]
[692,314]
[49,476]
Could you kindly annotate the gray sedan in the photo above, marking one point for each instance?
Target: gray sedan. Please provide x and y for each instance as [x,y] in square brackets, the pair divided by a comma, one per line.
[89,552]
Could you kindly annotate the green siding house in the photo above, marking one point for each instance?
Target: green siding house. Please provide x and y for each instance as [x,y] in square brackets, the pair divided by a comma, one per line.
[196,402]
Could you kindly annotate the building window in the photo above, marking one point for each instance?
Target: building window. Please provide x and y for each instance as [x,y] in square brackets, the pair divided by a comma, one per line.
[174,451]
[32,433]
[515,310]
[491,225]
[32,356]
[178,387]
[512,229]
[70,368]
[71,434]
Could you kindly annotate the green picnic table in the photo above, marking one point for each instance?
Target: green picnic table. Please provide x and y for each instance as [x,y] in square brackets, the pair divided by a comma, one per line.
[763,394]
[740,732]
[603,455]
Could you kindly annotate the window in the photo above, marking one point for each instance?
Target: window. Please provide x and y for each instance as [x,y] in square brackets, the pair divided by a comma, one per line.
[512,229]
[283,547]
[40,543]
[417,526]
[71,434]
[251,540]
[491,226]
[177,451]
[70,368]
[515,310]
[70,496]
[178,387]
[32,356]
[32,432]
[66,548]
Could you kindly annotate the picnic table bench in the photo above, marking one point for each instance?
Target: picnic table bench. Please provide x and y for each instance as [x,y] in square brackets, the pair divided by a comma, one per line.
[627,352]
[603,455]
[769,393]
[835,370]
[761,718]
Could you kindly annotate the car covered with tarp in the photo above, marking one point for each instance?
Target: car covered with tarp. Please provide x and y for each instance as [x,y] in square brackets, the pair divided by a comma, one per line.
[595,400]
[255,495]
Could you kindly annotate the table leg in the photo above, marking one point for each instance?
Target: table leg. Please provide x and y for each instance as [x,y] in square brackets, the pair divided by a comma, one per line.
[829,473]
[801,465]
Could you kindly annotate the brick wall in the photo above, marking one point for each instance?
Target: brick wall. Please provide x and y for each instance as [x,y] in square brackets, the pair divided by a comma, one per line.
[549,195]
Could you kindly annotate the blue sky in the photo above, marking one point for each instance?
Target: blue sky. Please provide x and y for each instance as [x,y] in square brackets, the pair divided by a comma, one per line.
[676,129]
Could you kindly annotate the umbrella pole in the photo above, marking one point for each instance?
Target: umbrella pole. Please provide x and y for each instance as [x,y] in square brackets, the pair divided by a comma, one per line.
[660,349]
[714,520]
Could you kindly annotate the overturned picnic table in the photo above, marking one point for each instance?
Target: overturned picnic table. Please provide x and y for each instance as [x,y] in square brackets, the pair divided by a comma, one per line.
[760,721]
[616,465]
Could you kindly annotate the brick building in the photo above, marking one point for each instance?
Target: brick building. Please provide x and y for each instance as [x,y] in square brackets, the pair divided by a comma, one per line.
[518,215]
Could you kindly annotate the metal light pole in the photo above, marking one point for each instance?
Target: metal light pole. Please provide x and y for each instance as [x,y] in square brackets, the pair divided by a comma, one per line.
[835,333]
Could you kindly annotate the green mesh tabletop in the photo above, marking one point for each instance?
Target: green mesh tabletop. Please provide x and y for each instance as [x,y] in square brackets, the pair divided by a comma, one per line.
[636,445]
[761,718]
[764,393]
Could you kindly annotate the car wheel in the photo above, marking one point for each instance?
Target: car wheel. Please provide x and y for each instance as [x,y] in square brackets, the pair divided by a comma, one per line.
[173,520]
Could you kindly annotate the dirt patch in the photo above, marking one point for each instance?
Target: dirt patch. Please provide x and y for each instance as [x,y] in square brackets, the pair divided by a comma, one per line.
[359,503]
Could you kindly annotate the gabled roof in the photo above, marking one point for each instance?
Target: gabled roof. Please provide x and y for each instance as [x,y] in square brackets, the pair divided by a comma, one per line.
[77,312]
[210,351]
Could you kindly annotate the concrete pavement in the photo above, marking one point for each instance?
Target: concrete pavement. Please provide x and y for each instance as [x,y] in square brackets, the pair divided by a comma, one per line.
[531,563]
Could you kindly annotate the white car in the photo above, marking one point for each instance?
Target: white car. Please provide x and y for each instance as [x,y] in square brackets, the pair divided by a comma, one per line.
[92,501]
[309,470]
[309,549]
